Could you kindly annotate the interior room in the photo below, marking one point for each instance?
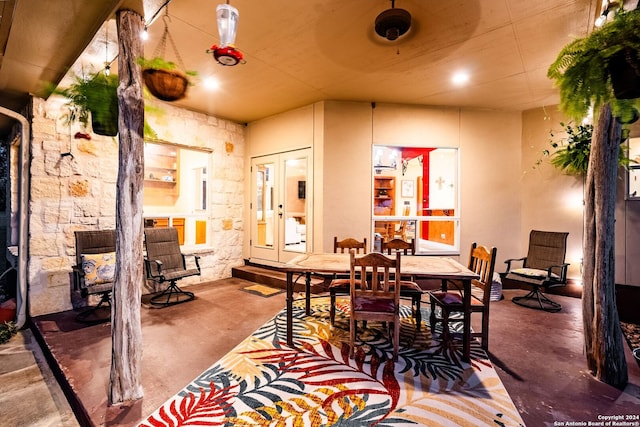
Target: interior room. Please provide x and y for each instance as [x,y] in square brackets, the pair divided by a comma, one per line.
[297,126]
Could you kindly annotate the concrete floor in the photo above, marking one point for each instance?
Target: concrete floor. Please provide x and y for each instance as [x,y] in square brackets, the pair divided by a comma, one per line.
[538,356]
[25,379]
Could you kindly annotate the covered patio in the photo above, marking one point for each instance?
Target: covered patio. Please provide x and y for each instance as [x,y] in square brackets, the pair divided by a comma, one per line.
[537,355]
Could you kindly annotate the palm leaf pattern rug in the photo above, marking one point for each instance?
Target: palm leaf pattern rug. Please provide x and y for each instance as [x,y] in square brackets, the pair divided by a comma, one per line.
[263,382]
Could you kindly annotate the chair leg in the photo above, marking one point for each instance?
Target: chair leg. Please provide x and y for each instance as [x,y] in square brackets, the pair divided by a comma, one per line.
[432,318]
[164,299]
[396,339]
[543,303]
[484,339]
[417,314]
[352,336]
[332,307]
[446,335]
[88,316]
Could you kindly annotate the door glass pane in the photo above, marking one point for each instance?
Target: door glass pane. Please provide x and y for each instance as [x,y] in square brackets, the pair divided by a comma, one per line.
[264,204]
[295,206]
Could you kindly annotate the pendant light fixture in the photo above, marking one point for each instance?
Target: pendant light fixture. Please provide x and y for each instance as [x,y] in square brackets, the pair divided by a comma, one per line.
[226,54]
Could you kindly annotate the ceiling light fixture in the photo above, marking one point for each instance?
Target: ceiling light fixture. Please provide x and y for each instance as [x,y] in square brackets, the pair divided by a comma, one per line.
[393,23]
[226,53]
[460,78]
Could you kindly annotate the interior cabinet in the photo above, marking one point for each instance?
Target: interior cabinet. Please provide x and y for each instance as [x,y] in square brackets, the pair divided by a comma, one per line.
[161,169]
[177,223]
[384,195]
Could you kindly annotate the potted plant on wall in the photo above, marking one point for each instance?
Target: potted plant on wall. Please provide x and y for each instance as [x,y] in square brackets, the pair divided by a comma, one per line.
[587,70]
[94,97]
[164,79]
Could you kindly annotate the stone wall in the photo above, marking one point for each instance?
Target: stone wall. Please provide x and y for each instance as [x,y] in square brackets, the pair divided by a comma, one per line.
[77,192]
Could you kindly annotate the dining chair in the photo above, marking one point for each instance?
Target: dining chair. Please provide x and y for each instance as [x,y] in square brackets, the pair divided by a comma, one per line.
[377,299]
[482,262]
[408,287]
[340,284]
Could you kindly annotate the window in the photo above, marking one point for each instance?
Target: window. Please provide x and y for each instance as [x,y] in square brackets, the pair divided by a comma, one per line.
[176,190]
[633,172]
[415,196]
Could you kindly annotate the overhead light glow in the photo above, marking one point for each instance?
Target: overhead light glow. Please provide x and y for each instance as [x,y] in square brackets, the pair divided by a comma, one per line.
[144,34]
[211,83]
[460,78]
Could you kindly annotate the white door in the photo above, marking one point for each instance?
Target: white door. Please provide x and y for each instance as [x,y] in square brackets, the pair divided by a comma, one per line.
[280,220]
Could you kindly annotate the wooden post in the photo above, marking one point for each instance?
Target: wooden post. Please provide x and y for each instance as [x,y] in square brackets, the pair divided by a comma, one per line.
[126,330]
[604,346]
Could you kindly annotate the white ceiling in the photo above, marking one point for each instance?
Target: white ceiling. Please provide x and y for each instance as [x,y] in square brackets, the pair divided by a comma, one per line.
[300,52]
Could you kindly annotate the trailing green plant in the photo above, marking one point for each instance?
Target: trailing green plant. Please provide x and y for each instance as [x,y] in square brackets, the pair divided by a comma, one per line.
[7,330]
[571,152]
[581,69]
[93,96]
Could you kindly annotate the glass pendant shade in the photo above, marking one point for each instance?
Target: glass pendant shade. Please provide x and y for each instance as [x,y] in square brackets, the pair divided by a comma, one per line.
[227,24]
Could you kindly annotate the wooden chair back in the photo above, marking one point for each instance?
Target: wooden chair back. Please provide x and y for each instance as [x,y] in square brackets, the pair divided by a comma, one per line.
[399,245]
[482,261]
[379,300]
[345,245]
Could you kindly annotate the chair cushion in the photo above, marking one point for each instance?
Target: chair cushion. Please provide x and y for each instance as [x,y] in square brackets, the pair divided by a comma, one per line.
[98,268]
[364,303]
[447,297]
[533,273]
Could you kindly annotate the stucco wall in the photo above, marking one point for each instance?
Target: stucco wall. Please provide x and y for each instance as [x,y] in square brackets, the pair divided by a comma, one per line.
[551,200]
[345,132]
[70,193]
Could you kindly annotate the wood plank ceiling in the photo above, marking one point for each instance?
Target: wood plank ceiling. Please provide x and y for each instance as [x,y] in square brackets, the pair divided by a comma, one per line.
[299,52]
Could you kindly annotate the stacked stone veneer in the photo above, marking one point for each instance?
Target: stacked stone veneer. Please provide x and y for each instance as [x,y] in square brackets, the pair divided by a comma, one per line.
[78,192]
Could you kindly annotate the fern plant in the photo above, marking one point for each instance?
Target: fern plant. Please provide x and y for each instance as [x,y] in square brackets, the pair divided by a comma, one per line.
[572,151]
[95,93]
[581,69]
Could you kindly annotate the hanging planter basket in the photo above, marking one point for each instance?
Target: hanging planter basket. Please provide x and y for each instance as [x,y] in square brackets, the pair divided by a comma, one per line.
[165,79]
[166,85]
[624,69]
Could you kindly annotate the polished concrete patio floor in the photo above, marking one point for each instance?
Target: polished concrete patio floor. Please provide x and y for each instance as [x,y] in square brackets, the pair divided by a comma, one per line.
[538,356]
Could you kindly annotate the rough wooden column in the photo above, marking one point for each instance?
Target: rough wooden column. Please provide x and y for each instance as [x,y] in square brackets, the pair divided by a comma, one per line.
[602,334]
[126,330]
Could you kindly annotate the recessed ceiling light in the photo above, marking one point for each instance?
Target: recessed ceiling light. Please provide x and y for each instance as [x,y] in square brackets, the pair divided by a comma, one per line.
[211,83]
[460,78]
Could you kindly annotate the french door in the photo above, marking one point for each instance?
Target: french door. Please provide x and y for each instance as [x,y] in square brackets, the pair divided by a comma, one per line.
[280,220]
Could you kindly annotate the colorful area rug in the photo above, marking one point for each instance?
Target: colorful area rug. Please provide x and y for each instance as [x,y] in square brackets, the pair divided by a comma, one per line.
[262,382]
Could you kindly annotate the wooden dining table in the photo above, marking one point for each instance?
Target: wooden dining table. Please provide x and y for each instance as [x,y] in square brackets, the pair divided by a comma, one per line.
[427,267]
